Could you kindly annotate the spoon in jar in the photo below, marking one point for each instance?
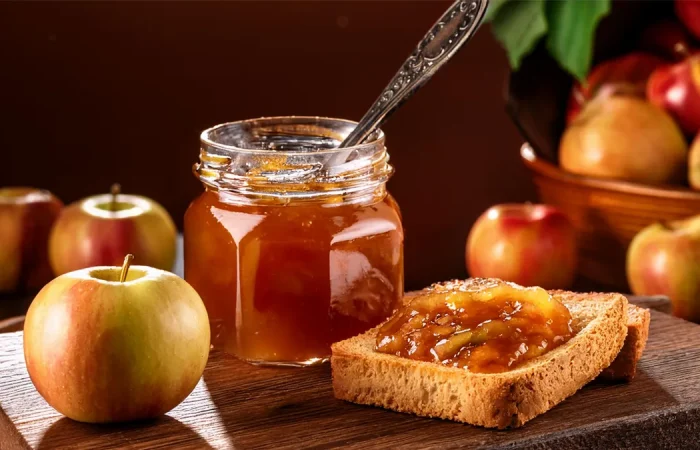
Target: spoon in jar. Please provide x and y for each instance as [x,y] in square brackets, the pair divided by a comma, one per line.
[456,26]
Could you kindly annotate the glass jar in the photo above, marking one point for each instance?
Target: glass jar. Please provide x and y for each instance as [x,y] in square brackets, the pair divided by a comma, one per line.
[294,244]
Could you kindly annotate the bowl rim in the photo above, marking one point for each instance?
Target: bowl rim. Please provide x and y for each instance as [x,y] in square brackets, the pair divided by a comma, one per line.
[546,168]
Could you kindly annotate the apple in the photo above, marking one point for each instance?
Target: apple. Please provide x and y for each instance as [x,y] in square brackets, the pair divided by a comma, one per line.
[26,217]
[694,163]
[625,138]
[100,230]
[628,74]
[669,39]
[676,88]
[529,244]
[688,11]
[664,259]
[115,344]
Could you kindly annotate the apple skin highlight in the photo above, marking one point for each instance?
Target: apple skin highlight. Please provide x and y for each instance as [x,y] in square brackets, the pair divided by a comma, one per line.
[676,89]
[98,350]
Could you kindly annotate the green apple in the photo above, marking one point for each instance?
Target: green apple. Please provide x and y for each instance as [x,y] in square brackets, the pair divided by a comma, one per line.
[111,344]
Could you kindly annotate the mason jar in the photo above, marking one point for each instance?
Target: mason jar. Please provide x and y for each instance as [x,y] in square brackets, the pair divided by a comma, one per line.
[294,243]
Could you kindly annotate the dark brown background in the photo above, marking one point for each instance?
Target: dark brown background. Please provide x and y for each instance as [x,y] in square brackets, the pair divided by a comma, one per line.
[93,93]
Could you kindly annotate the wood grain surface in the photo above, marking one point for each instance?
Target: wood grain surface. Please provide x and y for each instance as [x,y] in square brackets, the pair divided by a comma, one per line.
[240,406]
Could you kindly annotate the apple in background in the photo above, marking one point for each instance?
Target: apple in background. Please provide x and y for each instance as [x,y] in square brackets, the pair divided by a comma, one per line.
[529,244]
[676,89]
[100,230]
[669,39]
[664,259]
[26,217]
[694,164]
[115,344]
[625,138]
[626,74]
[688,11]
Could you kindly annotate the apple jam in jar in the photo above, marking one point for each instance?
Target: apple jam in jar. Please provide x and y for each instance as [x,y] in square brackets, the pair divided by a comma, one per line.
[294,243]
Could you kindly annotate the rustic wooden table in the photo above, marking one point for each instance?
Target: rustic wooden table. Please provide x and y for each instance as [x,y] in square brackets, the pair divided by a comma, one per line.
[240,406]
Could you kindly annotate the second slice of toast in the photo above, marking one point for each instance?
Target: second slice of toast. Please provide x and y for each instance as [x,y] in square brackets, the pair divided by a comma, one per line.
[624,368]
[501,400]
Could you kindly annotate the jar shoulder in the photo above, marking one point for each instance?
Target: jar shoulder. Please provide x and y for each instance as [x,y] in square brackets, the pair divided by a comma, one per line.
[210,202]
[302,221]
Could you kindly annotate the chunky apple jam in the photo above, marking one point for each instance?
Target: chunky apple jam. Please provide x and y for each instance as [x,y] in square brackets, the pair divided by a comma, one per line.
[292,251]
[481,326]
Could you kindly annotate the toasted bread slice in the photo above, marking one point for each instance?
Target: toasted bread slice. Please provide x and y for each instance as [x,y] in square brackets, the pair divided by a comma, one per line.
[501,400]
[624,368]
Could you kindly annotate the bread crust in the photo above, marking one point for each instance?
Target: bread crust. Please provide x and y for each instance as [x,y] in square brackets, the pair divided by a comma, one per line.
[624,368]
[502,400]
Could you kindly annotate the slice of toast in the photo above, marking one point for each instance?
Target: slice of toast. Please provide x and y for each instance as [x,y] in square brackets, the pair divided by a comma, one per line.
[500,400]
[624,368]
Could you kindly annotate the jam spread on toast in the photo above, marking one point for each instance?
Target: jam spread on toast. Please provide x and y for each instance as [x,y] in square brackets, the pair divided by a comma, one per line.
[481,325]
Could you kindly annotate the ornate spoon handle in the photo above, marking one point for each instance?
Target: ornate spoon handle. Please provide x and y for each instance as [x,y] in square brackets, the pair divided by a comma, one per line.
[446,36]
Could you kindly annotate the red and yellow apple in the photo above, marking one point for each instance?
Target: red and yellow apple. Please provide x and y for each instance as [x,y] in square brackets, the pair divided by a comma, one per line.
[529,244]
[100,230]
[26,217]
[688,11]
[676,89]
[628,74]
[664,259]
[100,350]
[625,138]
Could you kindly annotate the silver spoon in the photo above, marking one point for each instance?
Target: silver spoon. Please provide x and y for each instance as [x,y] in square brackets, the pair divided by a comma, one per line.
[447,35]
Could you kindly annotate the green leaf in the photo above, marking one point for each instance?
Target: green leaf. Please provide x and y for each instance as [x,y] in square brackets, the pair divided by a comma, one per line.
[572,26]
[519,27]
[492,10]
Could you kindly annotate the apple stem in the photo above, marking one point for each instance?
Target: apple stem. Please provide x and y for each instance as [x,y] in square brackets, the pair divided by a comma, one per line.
[671,225]
[115,190]
[125,267]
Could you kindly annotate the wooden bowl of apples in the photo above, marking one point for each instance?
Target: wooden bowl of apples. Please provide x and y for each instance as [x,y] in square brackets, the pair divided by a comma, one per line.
[619,152]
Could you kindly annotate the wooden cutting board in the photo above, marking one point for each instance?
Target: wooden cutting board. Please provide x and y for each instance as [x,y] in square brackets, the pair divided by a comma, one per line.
[236,405]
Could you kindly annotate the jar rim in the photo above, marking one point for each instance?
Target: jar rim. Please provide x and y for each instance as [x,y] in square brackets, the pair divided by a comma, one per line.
[375,139]
[291,157]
